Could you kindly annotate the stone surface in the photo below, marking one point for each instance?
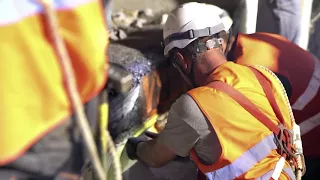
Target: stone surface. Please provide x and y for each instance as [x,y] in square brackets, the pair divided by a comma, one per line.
[126,110]
[156,84]
[122,34]
[148,12]
[139,23]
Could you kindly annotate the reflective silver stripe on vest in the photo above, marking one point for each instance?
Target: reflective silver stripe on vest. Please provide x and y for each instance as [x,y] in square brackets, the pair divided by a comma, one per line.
[245,162]
[13,11]
[288,171]
[312,89]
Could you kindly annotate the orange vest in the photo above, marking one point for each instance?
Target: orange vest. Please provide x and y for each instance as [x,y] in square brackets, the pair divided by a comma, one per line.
[32,94]
[302,70]
[248,147]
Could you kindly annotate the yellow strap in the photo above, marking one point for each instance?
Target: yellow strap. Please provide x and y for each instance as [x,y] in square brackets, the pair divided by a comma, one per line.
[126,163]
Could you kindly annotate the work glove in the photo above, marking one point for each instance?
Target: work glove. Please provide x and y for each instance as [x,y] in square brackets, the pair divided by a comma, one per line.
[177,158]
[151,134]
[132,144]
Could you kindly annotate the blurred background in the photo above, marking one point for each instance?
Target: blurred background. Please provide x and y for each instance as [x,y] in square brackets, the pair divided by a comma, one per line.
[135,20]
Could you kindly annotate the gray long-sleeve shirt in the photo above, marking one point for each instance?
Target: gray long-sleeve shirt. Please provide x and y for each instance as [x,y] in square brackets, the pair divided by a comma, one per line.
[188,128]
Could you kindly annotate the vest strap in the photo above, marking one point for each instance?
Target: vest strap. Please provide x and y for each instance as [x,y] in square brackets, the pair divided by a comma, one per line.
[266,86]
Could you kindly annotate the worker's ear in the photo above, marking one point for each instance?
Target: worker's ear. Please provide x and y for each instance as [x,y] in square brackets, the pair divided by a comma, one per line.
[181,60]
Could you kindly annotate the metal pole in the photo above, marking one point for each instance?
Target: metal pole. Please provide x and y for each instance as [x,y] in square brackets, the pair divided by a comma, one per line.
[249,16]
[306,9]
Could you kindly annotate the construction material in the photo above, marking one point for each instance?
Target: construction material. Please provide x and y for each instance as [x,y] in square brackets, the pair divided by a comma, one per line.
[147,12]
[164,18]
[156,85]
[119,79]
[136,18]
[126,109]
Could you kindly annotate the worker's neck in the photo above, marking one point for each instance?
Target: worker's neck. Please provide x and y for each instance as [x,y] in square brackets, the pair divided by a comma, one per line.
[211,66]
[216,62]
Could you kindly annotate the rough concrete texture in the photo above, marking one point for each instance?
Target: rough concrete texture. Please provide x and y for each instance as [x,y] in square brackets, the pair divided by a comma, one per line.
[129,110]
[126,109]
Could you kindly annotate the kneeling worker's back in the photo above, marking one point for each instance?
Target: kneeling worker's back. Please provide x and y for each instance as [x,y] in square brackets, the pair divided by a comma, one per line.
[248,146]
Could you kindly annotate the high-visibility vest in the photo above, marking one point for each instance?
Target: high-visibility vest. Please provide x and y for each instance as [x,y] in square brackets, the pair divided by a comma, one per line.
[248,147]
[33,96]
[302,70]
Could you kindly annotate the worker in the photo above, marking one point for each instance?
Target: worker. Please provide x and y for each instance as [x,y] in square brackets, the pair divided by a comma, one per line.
[225,121]
[39,139]
[299,72]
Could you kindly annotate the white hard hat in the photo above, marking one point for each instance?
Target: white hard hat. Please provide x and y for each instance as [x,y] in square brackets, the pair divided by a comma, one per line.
[188,22]
[223,14]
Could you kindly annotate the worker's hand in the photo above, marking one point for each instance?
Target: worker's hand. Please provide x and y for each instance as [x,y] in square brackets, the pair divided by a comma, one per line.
[131,146]
[132,143]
